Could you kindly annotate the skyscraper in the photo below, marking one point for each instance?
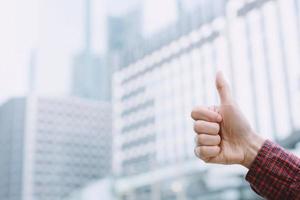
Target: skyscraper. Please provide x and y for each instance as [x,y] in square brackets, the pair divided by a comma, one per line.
[91,76]
[130,25]
[124,31]
[52,146]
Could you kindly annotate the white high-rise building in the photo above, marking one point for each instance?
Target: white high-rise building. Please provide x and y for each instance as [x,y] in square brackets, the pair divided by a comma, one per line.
[49,147]
[256,43]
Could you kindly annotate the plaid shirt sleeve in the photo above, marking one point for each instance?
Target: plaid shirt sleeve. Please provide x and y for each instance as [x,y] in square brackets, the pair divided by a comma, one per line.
[275,173]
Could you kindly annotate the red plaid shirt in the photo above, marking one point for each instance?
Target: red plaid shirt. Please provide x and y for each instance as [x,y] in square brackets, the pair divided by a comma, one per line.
[275,173]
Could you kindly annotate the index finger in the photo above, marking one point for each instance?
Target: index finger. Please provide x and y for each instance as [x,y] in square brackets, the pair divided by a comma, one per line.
[204,113]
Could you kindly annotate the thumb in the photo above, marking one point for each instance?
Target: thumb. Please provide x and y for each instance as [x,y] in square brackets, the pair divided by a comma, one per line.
[223,88]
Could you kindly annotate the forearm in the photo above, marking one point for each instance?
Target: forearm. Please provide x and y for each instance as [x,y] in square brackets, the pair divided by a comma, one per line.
[275,173]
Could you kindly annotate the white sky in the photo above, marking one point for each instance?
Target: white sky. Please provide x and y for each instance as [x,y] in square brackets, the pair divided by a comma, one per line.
[158,13]
[55,29]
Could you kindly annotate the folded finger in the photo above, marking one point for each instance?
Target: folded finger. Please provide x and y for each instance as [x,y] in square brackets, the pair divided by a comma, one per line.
[204,113]
[204,127]
[208,140]
[206,152]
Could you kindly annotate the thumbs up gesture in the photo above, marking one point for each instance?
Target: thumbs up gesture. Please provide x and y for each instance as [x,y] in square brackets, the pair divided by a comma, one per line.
[224,136]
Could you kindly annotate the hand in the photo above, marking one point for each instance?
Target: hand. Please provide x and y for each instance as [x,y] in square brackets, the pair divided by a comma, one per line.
[224,136]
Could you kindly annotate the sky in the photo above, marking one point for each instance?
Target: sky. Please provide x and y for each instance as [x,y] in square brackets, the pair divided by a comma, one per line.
[11,51]
[55,30]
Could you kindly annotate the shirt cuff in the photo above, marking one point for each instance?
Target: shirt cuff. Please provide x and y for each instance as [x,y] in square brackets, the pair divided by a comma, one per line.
[258,162]
[272,171]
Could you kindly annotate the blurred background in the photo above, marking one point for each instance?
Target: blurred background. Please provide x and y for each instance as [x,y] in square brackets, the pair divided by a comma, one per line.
[96,95]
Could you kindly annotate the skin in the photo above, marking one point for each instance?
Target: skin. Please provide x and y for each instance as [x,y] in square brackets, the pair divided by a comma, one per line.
[223,134]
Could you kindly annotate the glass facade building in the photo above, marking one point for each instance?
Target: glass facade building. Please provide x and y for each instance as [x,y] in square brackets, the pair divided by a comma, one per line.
[255,43]
[91,78]
[51,147]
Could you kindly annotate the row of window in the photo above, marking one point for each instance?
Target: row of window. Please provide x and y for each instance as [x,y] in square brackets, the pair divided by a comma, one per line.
[138,124]
[259,53]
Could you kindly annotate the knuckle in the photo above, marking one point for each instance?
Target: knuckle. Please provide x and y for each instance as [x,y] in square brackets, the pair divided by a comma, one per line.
[217,150]
[206,160]
[215,128]
[218,139]
[201,152]
[195,111]
[197,126]
[201,138]
[193,114]
[213,116]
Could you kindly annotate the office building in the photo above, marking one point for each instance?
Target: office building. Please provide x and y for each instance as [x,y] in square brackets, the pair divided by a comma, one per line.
[255,43]
[51,147]
[124,30]
[90,75]
[129,24]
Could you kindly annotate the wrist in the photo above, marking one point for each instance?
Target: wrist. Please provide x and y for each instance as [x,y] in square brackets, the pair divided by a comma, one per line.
[252,147]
